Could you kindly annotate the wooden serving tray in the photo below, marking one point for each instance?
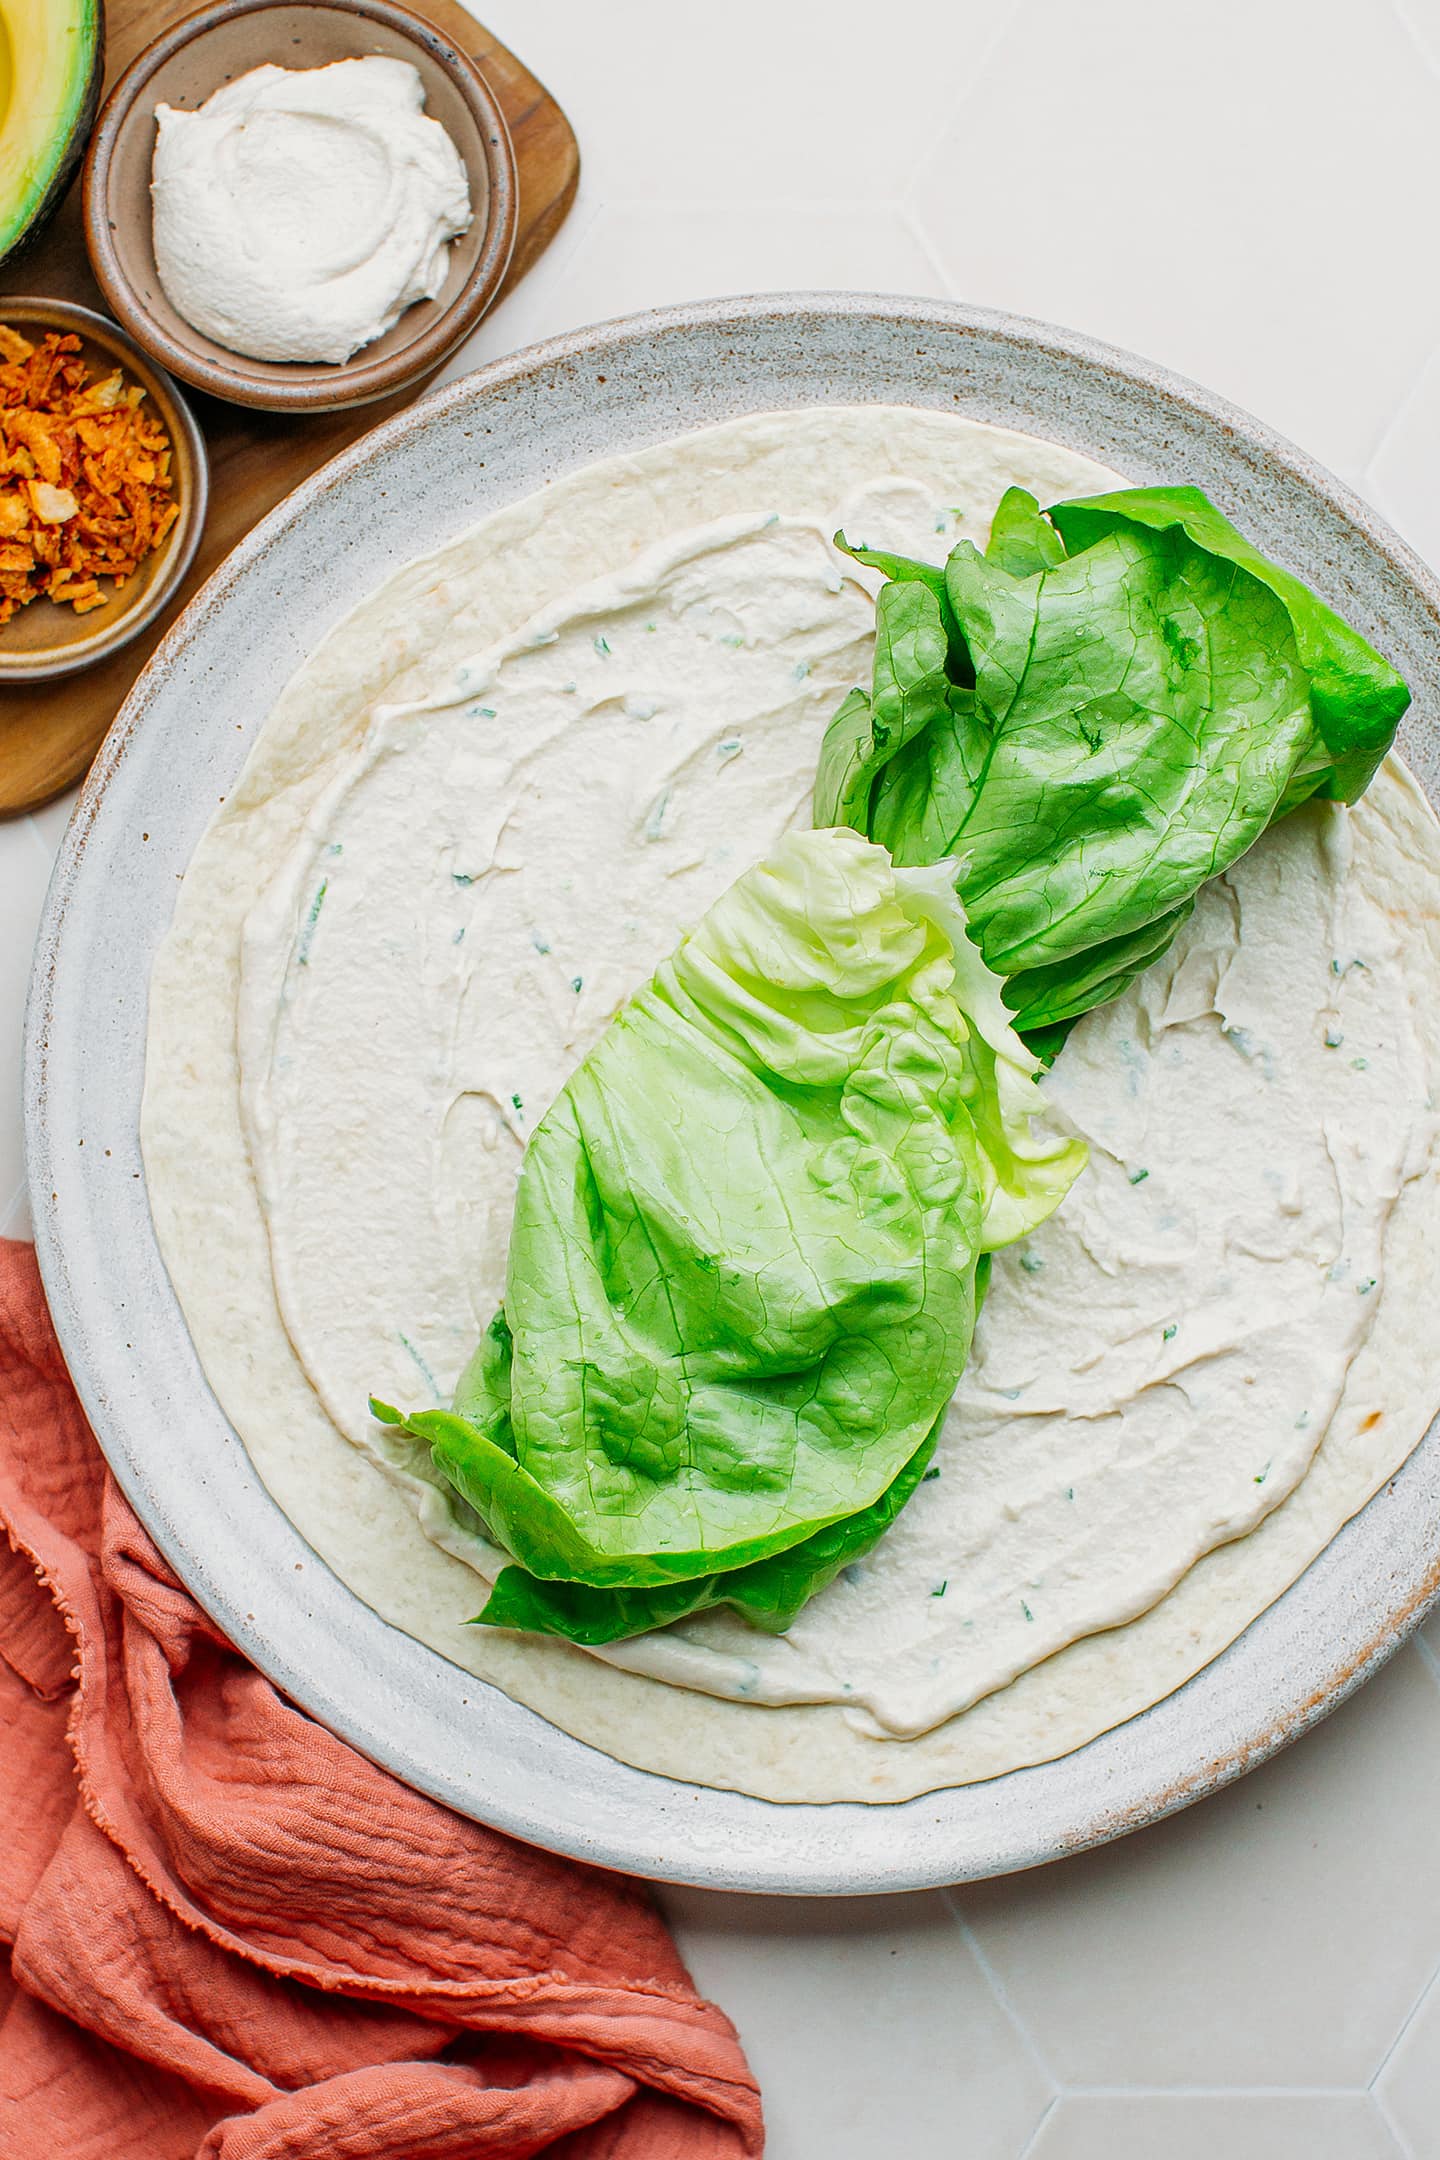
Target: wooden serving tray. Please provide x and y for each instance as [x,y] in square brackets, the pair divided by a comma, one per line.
[49,732]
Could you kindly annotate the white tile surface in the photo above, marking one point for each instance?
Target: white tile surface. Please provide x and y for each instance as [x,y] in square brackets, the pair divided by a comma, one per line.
[1422,19]
[1257,1939]
[1247,191]
[24,874]
[1408,2088]
[1199,2126]
[1233,190]
[1401,478]
[794,1978]
[638,255]
[765,101]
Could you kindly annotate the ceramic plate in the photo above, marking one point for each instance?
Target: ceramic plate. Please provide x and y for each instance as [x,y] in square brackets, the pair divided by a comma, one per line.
[176,748]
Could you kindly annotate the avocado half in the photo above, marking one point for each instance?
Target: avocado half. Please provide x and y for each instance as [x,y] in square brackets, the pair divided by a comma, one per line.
[52,59]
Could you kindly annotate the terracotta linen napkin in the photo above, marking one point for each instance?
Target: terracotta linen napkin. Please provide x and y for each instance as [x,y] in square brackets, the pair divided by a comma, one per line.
[234,1938]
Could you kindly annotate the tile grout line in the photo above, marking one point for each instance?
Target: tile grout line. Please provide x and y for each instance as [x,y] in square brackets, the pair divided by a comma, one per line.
[1216,2092]
[1028,2148]
[47,852]
[1417,44]
[1408,398]
[999,36]
[1420,2000]
[909,217]
[1431,1661]
[1001,1996]
[8,1212]
[1400,14]
[1402,2143]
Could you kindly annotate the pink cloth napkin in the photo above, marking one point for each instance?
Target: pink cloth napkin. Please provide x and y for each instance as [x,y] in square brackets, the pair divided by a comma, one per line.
[231,1936]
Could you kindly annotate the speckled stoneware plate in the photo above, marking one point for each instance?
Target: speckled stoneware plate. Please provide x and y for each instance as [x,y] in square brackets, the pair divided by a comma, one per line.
[177,746]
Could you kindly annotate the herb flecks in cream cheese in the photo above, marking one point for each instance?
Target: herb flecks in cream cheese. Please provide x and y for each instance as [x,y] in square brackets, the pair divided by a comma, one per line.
[300,212]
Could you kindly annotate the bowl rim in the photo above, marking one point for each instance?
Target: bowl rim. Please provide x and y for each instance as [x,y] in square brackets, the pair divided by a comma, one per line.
[1319,1641]
[51,663]
[356,381]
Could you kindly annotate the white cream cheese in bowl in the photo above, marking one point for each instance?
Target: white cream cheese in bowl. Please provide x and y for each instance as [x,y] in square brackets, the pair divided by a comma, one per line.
[300,212]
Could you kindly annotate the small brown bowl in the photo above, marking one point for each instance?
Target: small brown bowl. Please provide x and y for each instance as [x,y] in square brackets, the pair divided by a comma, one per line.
[45,640]
[183,67]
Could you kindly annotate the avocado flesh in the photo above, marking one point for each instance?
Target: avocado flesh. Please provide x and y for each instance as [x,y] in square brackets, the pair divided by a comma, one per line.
[51,61]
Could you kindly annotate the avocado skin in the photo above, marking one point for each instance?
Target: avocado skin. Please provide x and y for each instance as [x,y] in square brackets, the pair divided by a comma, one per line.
[78,136]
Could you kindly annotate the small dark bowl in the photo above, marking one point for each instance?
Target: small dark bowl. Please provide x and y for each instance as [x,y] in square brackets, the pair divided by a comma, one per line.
[183,67]
[45,640]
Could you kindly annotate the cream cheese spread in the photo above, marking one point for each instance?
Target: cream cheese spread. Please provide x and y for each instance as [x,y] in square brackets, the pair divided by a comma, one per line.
[300,212]
[498,867]
[484,884]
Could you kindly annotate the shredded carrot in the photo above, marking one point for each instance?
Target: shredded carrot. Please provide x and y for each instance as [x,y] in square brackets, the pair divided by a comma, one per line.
[85,485]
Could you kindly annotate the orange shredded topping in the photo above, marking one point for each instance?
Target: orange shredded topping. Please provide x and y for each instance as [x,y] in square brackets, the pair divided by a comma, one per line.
[85,486]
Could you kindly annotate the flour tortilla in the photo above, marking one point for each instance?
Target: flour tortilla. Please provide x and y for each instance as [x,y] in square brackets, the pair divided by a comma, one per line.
[424,622]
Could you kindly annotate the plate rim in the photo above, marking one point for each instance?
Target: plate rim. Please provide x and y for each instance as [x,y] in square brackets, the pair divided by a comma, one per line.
[814,1862]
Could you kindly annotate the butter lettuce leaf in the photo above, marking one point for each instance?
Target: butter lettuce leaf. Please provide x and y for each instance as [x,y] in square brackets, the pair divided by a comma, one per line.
[767,1593]
[1149,694]
[1357,698]
[742,1274]
[1022,539]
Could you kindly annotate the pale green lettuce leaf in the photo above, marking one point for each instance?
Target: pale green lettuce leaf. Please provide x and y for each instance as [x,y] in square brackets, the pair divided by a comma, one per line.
[742,1272]
[767,1593]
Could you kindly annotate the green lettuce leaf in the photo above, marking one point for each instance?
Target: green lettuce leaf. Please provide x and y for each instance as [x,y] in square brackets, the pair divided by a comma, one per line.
[767,1593]
[1149,694]
[743,1265]
[1022,539]
[1357,698]
[903,570]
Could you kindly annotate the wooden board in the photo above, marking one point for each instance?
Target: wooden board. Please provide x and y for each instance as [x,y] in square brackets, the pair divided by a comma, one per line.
[49,732]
